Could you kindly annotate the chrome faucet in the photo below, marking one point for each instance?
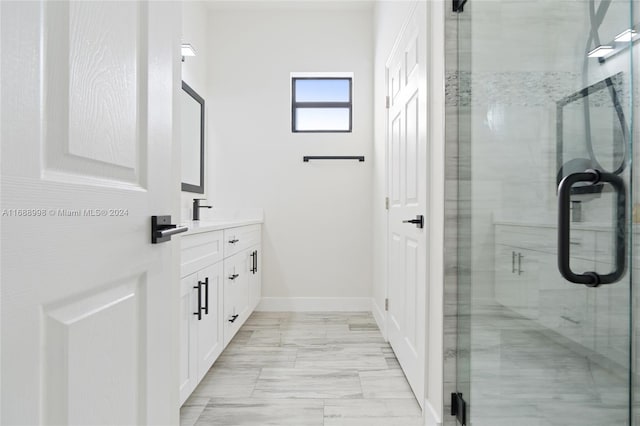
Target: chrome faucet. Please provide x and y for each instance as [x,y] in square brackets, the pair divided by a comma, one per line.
[197,207]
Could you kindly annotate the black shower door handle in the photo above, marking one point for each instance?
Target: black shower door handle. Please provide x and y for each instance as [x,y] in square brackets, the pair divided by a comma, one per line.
[591,279]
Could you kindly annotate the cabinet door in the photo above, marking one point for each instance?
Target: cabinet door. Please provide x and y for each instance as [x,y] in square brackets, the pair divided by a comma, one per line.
[527,274]
[255,276]
[610,320]
[516,279]
[209,327]
[236,294]
[565,307]
[507,292]
[188,352]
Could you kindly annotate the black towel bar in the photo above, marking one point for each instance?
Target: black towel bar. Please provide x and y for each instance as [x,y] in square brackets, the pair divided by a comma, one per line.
[360,158]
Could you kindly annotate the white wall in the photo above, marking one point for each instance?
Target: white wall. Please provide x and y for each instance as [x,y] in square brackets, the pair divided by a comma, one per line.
[317,230]
[194,73]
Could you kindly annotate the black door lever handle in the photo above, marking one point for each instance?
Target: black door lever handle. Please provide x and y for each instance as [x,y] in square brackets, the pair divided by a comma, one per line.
[418,221]
[162,229]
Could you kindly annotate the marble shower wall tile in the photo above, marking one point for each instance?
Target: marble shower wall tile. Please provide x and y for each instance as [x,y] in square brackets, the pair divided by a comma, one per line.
[455,168]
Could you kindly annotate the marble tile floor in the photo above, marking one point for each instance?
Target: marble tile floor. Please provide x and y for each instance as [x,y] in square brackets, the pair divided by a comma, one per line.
[304,369]
[520,375]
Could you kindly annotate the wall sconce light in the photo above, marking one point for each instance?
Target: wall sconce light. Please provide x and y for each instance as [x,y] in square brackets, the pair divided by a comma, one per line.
[187,50]
[620,43]
[600,51]
[626,36]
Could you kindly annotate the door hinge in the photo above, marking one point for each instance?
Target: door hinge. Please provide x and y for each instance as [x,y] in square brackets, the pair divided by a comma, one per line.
[387,102]
[386,203]
[459,408]
[386,304]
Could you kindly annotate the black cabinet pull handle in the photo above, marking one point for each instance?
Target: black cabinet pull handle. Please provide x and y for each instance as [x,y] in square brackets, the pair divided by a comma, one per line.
[513,262]
[199,313]
[234,276]
[254,261]
[206,295]
[593,177]
[520,256]
[233,241]
[233,318]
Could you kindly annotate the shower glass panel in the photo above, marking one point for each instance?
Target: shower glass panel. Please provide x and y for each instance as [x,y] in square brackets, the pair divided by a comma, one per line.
[547,217]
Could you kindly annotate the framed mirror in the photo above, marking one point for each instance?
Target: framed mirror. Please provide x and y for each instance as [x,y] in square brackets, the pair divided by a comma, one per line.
[192,138]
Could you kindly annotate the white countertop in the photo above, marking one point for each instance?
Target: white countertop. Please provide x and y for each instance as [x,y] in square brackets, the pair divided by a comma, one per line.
[574,225]
[586,226]
[198,226]
[221,218]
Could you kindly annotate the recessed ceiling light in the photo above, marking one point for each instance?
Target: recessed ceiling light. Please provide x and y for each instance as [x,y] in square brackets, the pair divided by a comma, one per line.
[187,50]
[600,52]
[626,36]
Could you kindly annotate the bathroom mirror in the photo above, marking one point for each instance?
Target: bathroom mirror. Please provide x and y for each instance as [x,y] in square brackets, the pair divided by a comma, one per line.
[192,139]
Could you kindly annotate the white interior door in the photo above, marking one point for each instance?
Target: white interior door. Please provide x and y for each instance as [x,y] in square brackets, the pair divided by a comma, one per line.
[407,173]
[89,305]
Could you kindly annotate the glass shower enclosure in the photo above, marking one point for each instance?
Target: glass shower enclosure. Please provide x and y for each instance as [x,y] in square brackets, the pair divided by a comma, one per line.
[548,213]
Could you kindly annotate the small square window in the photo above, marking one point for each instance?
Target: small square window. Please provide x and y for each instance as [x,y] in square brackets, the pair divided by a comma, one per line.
[321,104]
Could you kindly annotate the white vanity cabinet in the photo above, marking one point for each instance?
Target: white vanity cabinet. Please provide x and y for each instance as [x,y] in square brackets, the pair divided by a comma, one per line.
[219,289]
[240,275]
[528,282]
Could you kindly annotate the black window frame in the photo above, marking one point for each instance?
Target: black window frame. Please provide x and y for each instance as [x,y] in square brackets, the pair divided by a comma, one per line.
[295,105]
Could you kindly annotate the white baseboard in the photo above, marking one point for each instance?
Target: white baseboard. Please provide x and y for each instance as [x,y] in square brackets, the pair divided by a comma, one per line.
[379,316]
[431,418]
[315,304]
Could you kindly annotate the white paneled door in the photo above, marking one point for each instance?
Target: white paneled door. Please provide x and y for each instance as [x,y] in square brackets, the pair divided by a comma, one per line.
[89,312]
[407,188]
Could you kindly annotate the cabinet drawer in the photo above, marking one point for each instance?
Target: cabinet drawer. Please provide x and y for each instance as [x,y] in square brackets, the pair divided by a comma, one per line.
[236,294]
[545,240]
[240,238]
[532,238]
[200,250]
